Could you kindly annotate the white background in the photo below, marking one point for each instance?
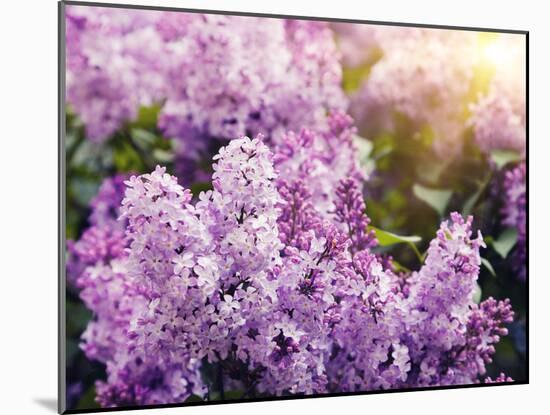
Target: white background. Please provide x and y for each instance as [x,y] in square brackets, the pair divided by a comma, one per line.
[28,203]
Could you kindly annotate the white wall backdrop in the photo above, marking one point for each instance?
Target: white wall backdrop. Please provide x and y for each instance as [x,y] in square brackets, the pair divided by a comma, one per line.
[28,203]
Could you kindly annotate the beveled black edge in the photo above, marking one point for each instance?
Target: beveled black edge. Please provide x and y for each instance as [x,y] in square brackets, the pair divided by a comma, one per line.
[61,180]
[61,209]
[527,280]
[293,397]
[289,16]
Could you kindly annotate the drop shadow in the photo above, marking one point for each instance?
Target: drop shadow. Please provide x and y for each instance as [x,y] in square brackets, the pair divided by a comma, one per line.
[48,403]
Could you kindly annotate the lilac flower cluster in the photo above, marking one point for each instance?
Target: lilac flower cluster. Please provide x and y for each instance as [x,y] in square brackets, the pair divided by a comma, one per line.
[499,116]
[277,75]
[281,292]
[321,158]
[515,213]
[263,75]
[109,72]
[423,74]
[502,378]
[105,238]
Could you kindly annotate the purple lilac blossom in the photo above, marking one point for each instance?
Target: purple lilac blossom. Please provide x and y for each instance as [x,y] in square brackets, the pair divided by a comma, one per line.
[350,211]
[423,74]
[110,73]
[264,76]
[452,338]
[501,378]
[499,116]
[321,158]
[429,334]
[514,214]
[249,91]
[202,271]
[104,239]
[255,278]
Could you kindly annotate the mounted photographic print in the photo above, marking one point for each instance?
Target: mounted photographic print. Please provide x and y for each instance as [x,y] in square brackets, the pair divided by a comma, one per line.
[261,207]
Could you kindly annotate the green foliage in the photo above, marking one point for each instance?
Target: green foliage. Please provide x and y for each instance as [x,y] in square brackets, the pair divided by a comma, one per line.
[505,242]
[135,148]
[431,172]
[72,349]
[477,294]
[487,264]
[164,157]
[198,187]
[194,398]
[87,401]
[386,238]
[438,199]
[144,139]
[147,117]
[365,149]
[83,189]
[503,157]
[127,158]
[234,395]
[353,77]
[77,317]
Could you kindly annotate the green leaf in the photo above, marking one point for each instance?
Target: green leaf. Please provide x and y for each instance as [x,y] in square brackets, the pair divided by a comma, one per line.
[426,135]
[147,117]
[365,147]
[400,267]
[352,77]
[386,238]
[193,398]
[470,203]
[143,138]
[233,394]
[505,242]
[384,144]
[431,172]
[78,317]
[502,157]
[83,189]
[438,199]
[84,152]
[472,200]
[87,401]
[163,156]
[476,297]
[198,187]
[71,349]
[127,159]
[488,265]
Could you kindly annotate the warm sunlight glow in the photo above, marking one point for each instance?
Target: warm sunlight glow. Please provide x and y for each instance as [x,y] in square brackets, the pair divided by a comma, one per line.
[497,54]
